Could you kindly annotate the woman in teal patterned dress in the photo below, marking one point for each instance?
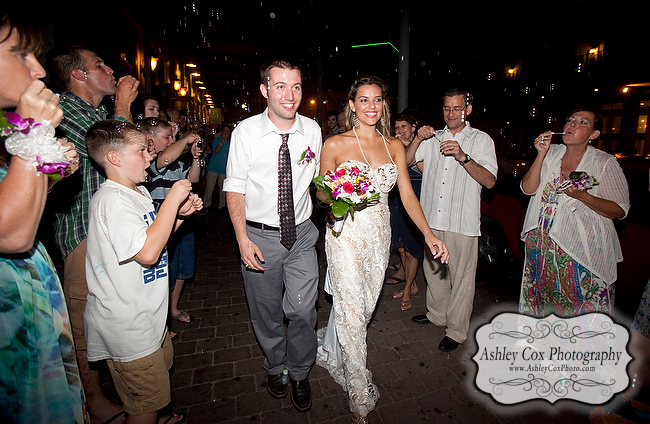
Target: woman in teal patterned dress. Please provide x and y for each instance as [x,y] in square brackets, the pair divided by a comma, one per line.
[571,245]
[39,378]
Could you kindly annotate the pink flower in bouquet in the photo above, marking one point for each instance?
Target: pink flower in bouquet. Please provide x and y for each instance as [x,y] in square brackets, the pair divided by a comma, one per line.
[347,188]
[340,173]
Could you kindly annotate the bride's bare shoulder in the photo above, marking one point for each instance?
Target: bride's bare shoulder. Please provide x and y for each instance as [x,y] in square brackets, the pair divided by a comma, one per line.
[339,140]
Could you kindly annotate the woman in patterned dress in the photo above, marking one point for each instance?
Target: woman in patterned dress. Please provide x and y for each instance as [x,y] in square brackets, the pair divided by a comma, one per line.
[571,245]
[39,378]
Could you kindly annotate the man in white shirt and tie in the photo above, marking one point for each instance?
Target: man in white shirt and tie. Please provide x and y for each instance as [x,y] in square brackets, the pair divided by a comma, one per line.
[457,162]
[276,238]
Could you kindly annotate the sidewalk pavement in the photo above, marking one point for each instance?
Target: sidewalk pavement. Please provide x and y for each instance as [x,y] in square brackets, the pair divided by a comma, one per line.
[218,375]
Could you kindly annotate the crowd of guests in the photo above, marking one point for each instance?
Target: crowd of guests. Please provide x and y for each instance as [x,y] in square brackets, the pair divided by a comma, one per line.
[113,211]
[122,210]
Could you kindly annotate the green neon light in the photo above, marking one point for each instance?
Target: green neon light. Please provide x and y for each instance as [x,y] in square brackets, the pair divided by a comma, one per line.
[377,44]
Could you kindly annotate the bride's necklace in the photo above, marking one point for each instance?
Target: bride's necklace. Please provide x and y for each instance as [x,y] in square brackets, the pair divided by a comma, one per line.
[362,154]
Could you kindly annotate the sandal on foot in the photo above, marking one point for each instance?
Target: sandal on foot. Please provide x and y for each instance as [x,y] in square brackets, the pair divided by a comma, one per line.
[405,305]
[392,280]
[183,317]
[398,294]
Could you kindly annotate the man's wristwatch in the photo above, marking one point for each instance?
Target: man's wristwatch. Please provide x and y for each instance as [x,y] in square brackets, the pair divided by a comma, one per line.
[467,159]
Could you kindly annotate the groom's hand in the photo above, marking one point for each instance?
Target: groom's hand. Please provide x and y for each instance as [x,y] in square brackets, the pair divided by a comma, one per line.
[251,256]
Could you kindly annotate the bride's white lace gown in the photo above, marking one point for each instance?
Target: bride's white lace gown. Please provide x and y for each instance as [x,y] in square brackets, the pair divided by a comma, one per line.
[356,261]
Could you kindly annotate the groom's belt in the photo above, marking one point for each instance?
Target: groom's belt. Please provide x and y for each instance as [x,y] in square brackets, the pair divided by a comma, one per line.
[262,226]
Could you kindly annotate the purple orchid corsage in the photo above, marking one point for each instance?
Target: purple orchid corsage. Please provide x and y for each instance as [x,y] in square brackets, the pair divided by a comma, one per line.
[16,124]
[306,157]
[582,181]
[55,171]
[35,143]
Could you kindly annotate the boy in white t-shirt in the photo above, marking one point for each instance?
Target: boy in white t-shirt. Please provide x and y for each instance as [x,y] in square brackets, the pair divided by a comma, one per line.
[126,270]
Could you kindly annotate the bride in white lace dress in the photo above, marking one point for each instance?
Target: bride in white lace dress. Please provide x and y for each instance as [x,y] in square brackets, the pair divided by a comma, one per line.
[357,259]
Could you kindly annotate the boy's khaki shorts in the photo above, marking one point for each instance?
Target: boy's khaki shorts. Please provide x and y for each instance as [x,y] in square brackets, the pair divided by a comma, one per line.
[143,384]
[75,291]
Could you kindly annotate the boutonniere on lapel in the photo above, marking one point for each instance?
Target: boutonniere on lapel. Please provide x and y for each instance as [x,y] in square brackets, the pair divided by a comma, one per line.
[306,157]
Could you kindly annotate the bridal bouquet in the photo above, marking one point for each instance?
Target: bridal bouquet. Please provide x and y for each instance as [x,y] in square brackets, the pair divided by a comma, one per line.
[348,188]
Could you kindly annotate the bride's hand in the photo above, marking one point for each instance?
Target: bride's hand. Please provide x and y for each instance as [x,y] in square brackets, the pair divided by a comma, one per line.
[438,248]
[251,256]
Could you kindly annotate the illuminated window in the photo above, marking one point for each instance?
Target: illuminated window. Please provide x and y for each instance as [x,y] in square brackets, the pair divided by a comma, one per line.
[642,124]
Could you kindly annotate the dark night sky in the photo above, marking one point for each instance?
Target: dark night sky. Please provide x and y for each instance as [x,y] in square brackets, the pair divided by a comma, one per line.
[451,43]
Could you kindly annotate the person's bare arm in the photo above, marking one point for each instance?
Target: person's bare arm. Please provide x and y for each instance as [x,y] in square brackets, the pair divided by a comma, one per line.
[163,226]
[603,207]
[175,150]
[126,92]
[194,174]
[218,147]
[23,191]
[424,133]
[413,208]
[475,170]
[249,252]
[530,181]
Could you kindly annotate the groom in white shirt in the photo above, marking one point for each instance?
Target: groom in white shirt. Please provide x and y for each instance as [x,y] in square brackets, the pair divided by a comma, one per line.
[279,265]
